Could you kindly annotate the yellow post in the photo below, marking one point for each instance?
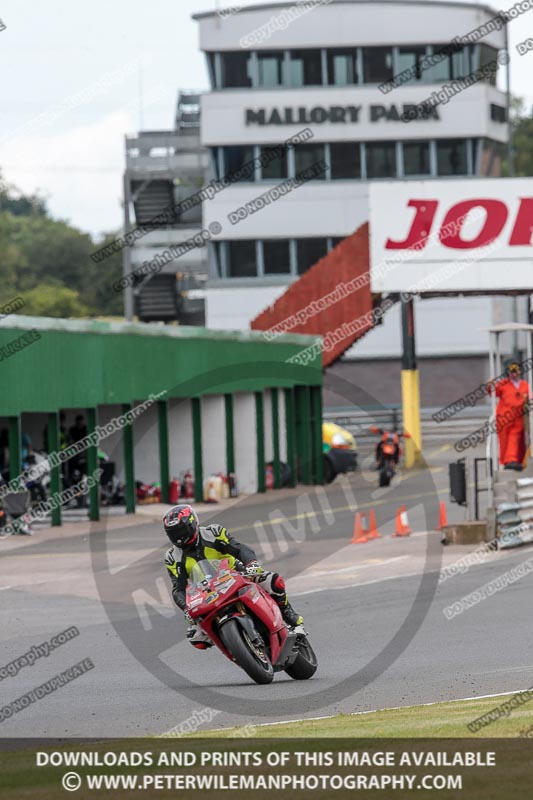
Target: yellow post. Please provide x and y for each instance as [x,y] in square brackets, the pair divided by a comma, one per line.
[411,417]
[410,386]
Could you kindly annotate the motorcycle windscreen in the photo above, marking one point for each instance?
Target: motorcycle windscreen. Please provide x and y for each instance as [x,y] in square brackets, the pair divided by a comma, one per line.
[204,570]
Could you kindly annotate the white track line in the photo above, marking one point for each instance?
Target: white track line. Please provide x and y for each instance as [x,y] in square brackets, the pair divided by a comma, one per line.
[3,588]
[504,669]
[378,562]
[376,710]
[356,585]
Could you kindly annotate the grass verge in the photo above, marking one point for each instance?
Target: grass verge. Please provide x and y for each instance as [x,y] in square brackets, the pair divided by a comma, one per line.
[445,720]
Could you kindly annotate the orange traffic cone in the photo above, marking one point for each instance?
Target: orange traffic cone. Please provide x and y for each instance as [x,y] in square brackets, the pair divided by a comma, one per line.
[404,520]
[359,533]
[443,519]
[373,532]
[402,529]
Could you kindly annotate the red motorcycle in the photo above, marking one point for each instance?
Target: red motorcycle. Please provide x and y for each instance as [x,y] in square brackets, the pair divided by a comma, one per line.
[388,453]
[245,623]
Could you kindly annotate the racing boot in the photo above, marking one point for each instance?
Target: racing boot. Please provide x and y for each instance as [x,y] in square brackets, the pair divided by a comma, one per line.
[290,616]
[198,638]
[275,586]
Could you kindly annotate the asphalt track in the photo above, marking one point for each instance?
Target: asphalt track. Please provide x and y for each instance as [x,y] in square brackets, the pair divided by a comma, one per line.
[374,613]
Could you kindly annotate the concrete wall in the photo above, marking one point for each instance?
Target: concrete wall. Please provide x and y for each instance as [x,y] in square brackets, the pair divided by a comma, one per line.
[366,383]
[245,442]
[180,437]
[213,435]
[347,24]
[146,437]
[444,326]
[282,428]
[233,309]
[269,444]
[146,442]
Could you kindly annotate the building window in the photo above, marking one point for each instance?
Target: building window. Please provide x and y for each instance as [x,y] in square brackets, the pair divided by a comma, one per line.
[442,70]
[451,65]
[308,155]
[276,257]
[235,158]
[381,159]
[305,67]
[211,70]
[411,58]
[215,161]
[241,260]
[270,68]
[342,67]
[460,64]
[452,157]
[236,69]
[416,158]
[275,165]
[309,251]
[345,160]
[487,57]
[498,113]
[215,261]
[377,64]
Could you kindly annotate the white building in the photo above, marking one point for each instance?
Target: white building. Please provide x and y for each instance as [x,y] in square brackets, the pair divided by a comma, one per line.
[272,77]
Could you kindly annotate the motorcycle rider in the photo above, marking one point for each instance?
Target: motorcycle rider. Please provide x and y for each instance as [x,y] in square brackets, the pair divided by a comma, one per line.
[392,438]
[192,542]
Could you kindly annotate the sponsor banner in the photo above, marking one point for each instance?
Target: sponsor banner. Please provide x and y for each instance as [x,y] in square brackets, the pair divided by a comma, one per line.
[418,227]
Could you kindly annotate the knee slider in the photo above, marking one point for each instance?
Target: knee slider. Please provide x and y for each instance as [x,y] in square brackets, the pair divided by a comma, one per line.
[278,584]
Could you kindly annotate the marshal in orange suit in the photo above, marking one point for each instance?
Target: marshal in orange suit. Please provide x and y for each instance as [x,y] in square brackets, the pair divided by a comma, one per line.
[511,412]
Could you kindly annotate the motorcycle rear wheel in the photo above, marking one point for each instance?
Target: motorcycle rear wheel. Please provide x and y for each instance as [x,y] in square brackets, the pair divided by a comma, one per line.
[306,663]
[258,669]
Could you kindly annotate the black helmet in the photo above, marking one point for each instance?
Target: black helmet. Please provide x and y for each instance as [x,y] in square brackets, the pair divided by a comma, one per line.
[181,525]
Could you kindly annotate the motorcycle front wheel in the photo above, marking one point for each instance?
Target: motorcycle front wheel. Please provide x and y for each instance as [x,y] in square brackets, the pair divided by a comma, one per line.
[384,477]
[305,664]
[253,660]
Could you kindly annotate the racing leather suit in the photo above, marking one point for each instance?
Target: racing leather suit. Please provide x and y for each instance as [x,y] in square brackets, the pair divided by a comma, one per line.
[510,416]
[214,542]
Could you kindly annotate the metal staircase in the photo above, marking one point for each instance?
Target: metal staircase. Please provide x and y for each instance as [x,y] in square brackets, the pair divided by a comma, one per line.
[164,168]
[151,198]
[158,300]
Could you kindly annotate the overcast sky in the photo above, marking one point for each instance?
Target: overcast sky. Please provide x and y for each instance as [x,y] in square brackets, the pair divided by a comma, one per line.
[71,81]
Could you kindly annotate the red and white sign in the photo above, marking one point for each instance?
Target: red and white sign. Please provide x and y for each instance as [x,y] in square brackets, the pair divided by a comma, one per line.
[452,235]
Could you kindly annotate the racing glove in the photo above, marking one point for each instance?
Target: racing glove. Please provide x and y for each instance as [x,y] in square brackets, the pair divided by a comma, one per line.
[253,568]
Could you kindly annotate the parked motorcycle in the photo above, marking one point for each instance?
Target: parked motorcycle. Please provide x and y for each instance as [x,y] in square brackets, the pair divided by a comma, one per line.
[14,512]
[245,623]
[111,490]
[389,452]
[38,487]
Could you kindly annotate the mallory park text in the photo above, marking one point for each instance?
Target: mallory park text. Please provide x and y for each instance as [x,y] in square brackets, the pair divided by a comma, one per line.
[338,114]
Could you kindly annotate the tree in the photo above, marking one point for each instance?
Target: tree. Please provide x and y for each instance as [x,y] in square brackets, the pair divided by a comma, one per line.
[48,262]
[12,199]
[522,131]
[100,278]
[54,300]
